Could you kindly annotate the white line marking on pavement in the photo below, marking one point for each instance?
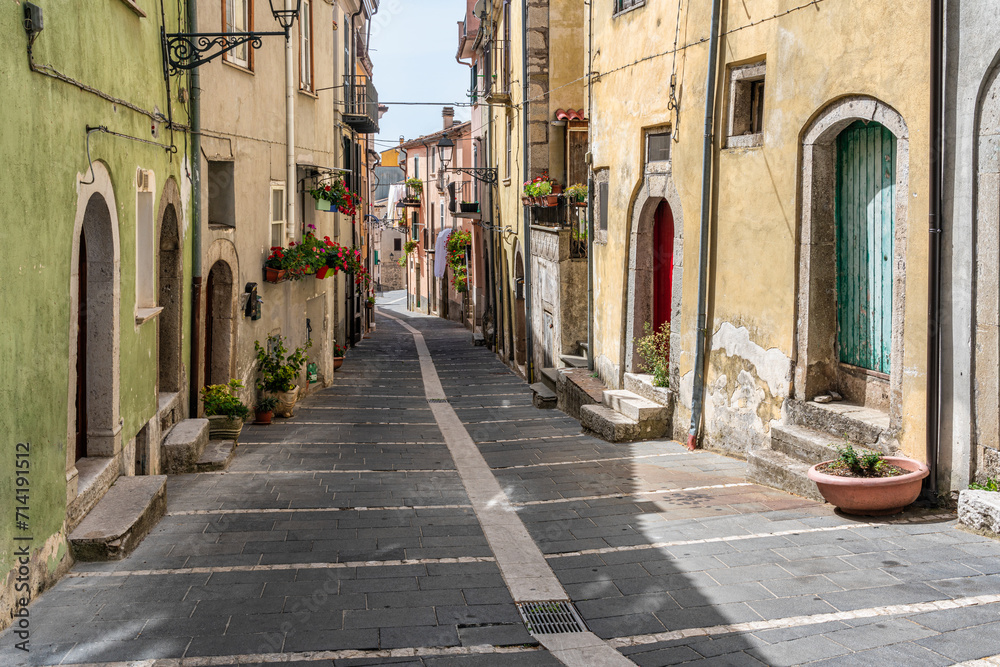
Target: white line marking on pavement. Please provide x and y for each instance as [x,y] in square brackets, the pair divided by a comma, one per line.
[799,621]
[314,656]
[709,540]
[636,494]
[282,566]
[989,661]
[612,458]
[522,565]
[298,423]
[401,508]
[370,471]
[380,443]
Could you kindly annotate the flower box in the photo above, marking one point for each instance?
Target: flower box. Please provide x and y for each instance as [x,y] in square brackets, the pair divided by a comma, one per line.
[324,205]
[549,201]
[274,275]
[469,207]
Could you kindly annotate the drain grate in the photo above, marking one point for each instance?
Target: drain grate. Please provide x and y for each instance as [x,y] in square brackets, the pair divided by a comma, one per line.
[437,400]
[551,617]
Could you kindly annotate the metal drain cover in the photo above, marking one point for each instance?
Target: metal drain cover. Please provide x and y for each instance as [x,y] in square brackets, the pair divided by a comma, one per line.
[437,400]
[551,617]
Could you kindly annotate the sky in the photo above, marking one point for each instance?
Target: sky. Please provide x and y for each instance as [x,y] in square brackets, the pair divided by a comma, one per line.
[413,46]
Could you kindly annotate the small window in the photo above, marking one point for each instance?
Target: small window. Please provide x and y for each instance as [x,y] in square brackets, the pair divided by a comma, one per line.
[237,16]
[625,5]
[397,244]
[306,47]
[277,214]
[658,147]
[746,106]
[416,166]
[145,229]
[603,196]
[430,159]
[221,194]
[510,143]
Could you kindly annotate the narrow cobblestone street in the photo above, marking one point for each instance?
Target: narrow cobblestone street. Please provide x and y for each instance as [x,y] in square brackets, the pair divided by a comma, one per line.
[366,531]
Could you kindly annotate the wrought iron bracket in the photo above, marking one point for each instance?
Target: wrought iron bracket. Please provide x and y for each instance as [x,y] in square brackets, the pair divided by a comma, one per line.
[487,175]
[187,50]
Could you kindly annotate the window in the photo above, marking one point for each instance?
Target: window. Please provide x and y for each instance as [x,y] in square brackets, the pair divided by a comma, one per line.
[474,85]
[658,147]
[746,106]
[237,16]
[441,206]
[221,194]
[416,166]
[506,47]
[306,79]
[431,219]
[397,244]
[430,161]
[602,194]
[277,214]
[510,143]
[145,230]
[626,5]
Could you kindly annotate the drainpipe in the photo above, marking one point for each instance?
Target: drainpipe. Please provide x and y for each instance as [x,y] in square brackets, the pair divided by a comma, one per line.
[934,252]
[195,121]
[528,324]
[698,397]
[290,180]
[590,191]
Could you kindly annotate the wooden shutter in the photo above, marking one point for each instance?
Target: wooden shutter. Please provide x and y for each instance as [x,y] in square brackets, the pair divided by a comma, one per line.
[865,210]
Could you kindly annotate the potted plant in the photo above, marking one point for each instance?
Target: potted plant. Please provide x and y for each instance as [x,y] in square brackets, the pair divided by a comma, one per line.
[264,409]
[868,483]
[338,356]
[546,196]
[654,348]
[370,302]
[225,411]
[530,193]
[469,206]
[278,372]
[276,265]
[414,186]
[576,194]
[335,196]
[409,246]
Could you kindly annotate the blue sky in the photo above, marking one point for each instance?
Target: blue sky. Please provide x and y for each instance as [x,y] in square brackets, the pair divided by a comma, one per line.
[413,47]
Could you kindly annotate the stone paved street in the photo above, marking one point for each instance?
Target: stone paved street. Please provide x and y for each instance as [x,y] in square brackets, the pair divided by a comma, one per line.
[348,534]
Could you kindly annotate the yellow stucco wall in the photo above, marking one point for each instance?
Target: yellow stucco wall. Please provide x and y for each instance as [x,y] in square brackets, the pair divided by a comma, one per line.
[814,56]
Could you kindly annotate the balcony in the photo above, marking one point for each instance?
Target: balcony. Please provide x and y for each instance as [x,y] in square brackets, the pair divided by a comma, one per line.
[464,200]
[412,196]
[361,107]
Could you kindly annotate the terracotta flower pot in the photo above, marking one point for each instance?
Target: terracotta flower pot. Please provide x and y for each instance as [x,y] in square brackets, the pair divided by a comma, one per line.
[286,402]
[550,201]
[264,417]
[221,427]
[527,201]
[872,496]
[274,275]
[337,362]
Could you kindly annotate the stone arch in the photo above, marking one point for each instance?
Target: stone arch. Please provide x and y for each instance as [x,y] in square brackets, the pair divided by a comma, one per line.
[97,346]
[221,303]
[985,458]
[817,367]
[520,319]
[657,188]
[170,291]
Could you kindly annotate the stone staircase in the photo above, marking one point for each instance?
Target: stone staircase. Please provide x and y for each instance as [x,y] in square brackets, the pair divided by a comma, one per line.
[544,392]
[121,519]
[186,449]
[812,433]
[625,416]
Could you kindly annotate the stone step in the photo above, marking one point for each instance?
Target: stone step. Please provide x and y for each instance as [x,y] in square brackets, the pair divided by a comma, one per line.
[780,471]
[842,420]
[574,361]
[634,406]
[615,427]
[183,446]
[543,398]
[122,518]
[550,376]
[217,455]
[803,443]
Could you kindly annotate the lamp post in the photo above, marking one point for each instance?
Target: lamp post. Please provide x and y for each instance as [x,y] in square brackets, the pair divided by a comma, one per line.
[446,152]
[188,50]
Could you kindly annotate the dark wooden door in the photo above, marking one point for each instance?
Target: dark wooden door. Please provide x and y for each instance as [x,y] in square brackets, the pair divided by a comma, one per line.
[81,355]
[663,265]
[209,327]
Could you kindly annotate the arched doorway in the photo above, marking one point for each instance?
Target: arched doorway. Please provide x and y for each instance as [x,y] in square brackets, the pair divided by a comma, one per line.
[520,324]
[171,295]
[96,348]
[219,320]
[663,265]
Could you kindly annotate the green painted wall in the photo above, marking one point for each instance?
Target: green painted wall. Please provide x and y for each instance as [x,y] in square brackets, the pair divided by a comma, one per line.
[108,46]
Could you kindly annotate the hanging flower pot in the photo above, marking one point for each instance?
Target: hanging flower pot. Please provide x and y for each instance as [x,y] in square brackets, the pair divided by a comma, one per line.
[274,275]
[338,362]
[526,200]
[550,201]
[324,205]
[323,271]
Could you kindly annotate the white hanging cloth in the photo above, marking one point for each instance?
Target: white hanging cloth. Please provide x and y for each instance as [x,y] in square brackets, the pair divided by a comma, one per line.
[441,253]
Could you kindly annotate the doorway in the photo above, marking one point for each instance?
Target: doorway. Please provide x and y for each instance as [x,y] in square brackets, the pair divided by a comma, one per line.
[170,295]
[520,325]
[218,324]
[81,353]
[663,265]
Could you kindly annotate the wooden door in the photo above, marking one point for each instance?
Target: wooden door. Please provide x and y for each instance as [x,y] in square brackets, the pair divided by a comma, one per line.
[663,265]
[81,354]
[210,297]
[865,225]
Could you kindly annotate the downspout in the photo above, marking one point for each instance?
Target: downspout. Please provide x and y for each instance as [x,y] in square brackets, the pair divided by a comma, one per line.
[529,364]
[590,189]
[698,397]
[291,184]
[196,269]
[934,251]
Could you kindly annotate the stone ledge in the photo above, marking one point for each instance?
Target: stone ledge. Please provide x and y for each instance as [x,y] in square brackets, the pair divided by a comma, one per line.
[979,511]
[122,518]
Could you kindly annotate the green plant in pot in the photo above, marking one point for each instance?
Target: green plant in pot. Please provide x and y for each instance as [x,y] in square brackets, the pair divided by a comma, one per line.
[868,483]
[264,409]
[338,355]
[278,372]
[654,348]
[224,409]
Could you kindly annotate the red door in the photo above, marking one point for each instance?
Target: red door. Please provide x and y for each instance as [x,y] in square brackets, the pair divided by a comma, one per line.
[663,264]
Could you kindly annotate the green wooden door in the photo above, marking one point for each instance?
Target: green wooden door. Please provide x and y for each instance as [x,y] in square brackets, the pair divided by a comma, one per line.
[865,208]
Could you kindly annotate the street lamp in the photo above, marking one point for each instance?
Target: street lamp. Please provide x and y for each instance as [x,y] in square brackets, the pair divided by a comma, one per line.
[188,50]
[446,151]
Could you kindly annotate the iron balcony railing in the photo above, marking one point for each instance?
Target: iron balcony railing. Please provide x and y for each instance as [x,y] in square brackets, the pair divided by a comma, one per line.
[361,108]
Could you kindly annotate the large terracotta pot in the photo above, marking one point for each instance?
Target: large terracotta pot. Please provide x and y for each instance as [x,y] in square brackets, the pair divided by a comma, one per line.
[286,402]
[337,362]
[221,427]
[872,496]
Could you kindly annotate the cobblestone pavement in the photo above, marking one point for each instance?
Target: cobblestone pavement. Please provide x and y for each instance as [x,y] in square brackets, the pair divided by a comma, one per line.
[346,535]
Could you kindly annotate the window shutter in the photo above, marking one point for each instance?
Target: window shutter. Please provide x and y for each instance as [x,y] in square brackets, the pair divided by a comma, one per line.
[603,194]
